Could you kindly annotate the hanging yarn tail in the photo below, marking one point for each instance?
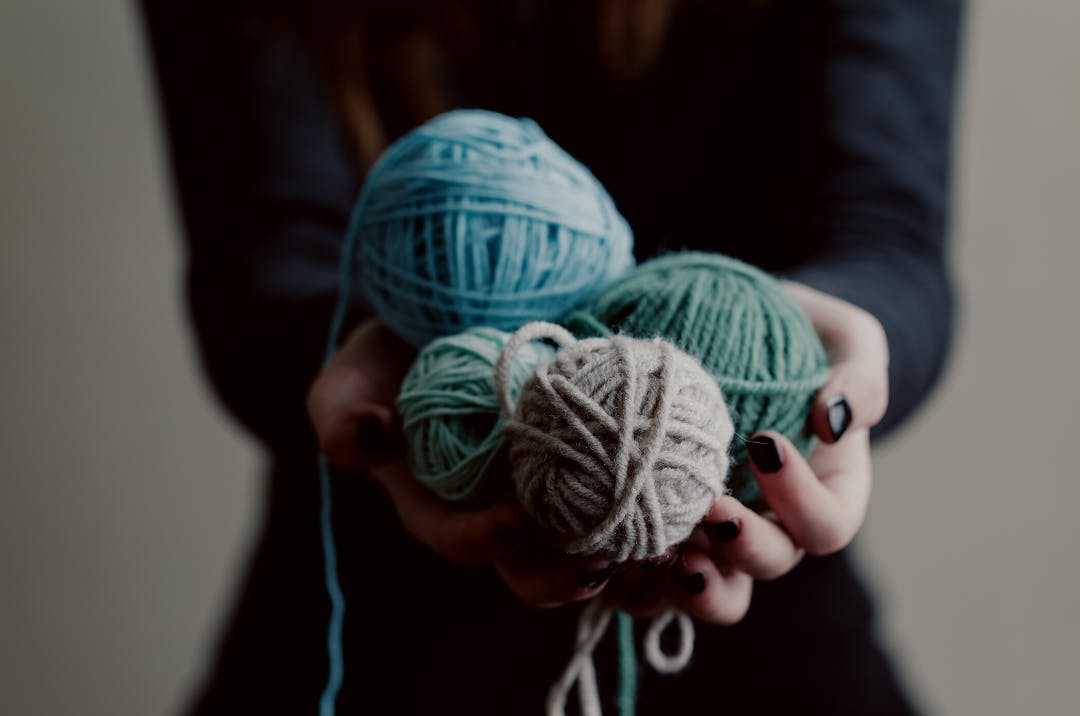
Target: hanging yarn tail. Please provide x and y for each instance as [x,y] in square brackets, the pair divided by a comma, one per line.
[629,439]
[581,672]
[592,624]
[654,653]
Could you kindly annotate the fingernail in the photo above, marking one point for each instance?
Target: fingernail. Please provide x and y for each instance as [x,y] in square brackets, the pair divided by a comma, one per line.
[592,580]
[839,417]
[635,597]
[764,453]
[725,531]
[692,583]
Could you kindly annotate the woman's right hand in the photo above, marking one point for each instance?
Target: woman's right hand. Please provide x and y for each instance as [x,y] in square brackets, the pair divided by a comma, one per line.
[351,406]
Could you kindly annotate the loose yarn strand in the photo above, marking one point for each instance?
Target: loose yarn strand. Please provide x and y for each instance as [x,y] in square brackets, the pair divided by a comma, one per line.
[528,332]
[337,599]
[334,649]
[627,695]
[655,656]
[592,624]
[580,671]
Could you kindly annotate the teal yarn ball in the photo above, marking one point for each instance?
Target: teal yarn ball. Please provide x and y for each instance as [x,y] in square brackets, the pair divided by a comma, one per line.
[738,321]
[451,415]
[478,219]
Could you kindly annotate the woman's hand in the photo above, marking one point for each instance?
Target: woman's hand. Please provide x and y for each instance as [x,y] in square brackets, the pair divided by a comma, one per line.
[351,406]
[816,505]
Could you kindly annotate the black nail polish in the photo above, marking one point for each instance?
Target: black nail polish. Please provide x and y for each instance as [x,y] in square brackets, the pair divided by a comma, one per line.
[592,580]
[764,453]
[839,417]
[692,583]
[725,531]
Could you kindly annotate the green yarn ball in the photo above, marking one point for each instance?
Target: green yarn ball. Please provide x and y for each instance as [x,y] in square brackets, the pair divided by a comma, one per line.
[450,412]
[746,331]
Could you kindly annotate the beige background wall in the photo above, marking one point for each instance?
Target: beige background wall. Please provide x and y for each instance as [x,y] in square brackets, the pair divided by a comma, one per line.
[126,499]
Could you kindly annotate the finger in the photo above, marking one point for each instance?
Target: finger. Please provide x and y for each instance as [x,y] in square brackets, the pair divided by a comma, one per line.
[463,537]
[750,542]
[641,589]
[855,397]
[714,592]
[361,436]
[857,391]
[540,577]
[823,511]
[351,402]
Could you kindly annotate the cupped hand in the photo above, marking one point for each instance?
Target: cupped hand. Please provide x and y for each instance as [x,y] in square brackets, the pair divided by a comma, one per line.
[351,407]
[815,505]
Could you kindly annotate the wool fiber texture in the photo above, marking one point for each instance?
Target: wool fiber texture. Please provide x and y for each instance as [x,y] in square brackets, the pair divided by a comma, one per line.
[451,415]
[478,219]
[750,336]
[619,446]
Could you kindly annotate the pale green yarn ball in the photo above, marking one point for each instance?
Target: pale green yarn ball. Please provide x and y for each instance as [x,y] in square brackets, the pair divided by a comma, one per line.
[451,415]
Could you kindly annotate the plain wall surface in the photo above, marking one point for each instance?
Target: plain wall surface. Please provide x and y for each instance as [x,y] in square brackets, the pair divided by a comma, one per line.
[127,500]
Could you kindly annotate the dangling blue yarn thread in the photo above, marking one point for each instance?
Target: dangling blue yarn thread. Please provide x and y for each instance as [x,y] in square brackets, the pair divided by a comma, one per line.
[334,649]
[337,599]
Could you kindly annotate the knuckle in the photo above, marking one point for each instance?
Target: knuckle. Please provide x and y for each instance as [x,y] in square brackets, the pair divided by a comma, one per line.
[529,598]
[748,553]
[768,571]
[727,612]
[452,547]
[876,392]
[828,539]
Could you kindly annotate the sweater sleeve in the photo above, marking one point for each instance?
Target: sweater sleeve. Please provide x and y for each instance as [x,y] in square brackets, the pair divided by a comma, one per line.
[882,159]
[265,186]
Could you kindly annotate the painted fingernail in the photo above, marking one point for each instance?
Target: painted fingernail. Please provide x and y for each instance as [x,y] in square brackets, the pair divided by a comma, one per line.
[692,583]
[592,580]
[839,414]
[725,531]
[764,453]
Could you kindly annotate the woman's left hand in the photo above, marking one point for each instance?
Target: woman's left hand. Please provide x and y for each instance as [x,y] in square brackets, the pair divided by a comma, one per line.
[816,504]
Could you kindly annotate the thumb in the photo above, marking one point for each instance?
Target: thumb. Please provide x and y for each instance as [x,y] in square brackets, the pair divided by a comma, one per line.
[351,401]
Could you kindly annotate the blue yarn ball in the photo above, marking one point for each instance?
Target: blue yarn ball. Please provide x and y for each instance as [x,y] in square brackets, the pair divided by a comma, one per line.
[478,219]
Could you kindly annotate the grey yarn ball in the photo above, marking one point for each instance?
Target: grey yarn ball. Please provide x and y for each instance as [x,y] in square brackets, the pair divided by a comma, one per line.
[619,446]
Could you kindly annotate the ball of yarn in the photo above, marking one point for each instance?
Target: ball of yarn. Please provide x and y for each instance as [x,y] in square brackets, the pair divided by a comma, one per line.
[738,321]
[478,219]
[450,412]
[619,446]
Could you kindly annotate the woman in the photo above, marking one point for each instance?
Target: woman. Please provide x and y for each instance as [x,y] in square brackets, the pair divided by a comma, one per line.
[808,138]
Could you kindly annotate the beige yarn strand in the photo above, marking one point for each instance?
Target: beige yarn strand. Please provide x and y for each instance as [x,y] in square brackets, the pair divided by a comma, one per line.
[620,447]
